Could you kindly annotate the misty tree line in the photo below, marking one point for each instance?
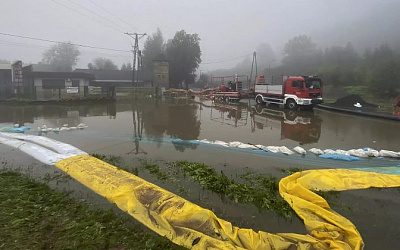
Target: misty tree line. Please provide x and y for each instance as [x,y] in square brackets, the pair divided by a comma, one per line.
[182,52]
[377,70]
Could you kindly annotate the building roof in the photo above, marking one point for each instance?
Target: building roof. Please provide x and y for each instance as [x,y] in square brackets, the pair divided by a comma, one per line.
[5,66]
[112,75]
[43,67]
[45,74]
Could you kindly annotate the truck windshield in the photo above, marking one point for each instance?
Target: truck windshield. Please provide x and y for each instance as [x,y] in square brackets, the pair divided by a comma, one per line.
[313,84]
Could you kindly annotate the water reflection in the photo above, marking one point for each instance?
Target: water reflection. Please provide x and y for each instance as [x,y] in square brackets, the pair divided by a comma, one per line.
[64,113]
[160,121]
[167,119]
[300,126]
[235,115]
[138,123]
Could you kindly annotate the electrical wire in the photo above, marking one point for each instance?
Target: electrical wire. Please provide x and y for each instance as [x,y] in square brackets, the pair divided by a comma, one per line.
[89,17]
[116,25]
[112,14]
[55,41]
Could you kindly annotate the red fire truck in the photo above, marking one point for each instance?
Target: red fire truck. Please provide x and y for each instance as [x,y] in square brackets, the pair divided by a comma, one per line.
[294,92]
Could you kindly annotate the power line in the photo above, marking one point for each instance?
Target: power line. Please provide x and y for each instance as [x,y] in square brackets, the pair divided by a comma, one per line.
[83,14]
[8,43]
[4,43]
[227,59]
[25,45]
[111,14]
[116,25]
[54,41]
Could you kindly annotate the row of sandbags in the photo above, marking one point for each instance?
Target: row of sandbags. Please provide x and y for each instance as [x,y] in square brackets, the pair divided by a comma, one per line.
[352,154]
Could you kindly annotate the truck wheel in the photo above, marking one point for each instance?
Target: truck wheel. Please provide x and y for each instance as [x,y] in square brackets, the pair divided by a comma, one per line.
[259,100]
[291,104]
[259,109]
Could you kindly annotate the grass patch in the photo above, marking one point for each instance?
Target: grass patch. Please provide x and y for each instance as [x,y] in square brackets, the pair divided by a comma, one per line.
[111,159]
[290,171]
[32,216]
[155,170]
[385,104]
[251,188]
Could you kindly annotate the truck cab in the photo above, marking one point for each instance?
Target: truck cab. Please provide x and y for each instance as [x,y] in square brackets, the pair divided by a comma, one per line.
[294,92]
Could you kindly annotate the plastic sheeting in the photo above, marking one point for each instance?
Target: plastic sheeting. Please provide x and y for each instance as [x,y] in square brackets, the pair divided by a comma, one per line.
[21,129]
[43,149]
[192,226]
[341,157]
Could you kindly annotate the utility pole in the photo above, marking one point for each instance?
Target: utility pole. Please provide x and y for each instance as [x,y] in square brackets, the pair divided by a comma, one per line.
[253,66]
[136,54]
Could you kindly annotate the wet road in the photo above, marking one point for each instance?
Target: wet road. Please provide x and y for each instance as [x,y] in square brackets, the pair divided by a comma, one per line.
[144,129]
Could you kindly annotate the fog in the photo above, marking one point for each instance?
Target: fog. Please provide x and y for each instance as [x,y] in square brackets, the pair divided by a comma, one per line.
[230,30]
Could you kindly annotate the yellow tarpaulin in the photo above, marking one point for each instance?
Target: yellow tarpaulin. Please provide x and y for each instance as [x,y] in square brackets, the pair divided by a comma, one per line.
[192,226]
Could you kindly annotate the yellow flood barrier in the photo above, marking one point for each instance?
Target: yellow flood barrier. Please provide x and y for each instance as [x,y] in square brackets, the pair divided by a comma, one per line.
[192,226]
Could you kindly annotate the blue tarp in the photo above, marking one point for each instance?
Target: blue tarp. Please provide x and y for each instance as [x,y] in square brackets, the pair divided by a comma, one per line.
[21,129]
[341,157]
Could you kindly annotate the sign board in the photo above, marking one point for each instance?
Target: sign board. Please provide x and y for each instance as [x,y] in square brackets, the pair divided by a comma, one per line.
[95,90]
[72,90]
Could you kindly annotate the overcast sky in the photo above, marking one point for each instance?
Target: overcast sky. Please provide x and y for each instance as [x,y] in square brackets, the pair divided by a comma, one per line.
[228,28]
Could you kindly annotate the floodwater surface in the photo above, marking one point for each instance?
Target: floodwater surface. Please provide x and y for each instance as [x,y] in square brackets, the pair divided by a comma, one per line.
[145,130]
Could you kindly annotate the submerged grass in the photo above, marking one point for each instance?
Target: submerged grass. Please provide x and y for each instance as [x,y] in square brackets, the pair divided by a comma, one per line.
[261,190]
[32,216]
[251,188]
[155,170]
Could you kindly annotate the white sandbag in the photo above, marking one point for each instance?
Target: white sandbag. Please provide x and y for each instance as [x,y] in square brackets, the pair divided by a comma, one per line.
[221,143]
[316,151]
[388,153]
[371,152]
[342,152]
[358,153]
[82,126]
[205,141]
[329,151]
[285,150]
[300,150]
[262,147]
[273,149]
[247,146]
[234,144]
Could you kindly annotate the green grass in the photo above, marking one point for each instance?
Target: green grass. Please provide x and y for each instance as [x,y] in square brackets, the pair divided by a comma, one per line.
[250,188]
[385,104]
[32,216]
[111,159]
[155,170]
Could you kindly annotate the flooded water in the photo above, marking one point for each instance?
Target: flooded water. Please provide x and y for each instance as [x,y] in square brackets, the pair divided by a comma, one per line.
[146,129]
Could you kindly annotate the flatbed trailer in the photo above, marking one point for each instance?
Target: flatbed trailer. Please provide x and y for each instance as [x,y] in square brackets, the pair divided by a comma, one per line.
[226,96]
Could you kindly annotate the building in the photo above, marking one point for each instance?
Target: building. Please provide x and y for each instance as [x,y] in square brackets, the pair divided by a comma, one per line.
[42,83]
[160,73]
[5,81]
